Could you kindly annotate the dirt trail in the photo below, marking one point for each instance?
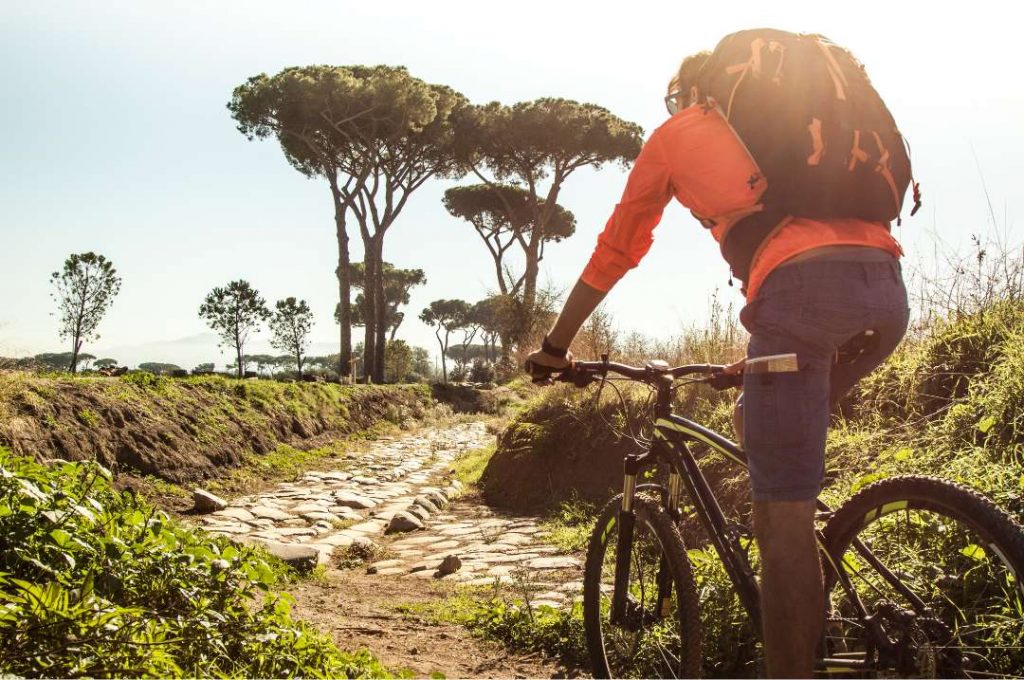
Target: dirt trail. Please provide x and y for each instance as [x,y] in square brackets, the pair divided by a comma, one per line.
[403,482]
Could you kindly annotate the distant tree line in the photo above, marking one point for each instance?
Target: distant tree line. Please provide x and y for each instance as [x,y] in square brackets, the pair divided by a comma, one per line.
[376,134]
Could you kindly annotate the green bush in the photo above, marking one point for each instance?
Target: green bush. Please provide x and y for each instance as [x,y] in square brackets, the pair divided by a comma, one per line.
[95,582]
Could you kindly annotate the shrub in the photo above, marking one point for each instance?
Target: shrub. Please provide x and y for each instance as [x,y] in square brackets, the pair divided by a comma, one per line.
[96,582]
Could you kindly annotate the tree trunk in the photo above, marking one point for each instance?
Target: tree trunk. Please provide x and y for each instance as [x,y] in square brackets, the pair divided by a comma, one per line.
[344,289]
[525,320]
[444,367]
[238,352]
[369,311]
[75,349]
[298,362]
[380,309]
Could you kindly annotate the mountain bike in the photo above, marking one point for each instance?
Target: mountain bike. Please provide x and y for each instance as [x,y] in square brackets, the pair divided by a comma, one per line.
[922,575]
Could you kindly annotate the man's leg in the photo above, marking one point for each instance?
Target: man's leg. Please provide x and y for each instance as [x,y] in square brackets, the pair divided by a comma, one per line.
[792,593]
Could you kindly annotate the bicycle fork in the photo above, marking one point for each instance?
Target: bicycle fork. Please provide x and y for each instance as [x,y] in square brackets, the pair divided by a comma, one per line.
[620,614]
[624,544]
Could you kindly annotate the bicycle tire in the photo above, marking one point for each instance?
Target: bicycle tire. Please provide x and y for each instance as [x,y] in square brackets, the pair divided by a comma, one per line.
[651,520]
[937,537]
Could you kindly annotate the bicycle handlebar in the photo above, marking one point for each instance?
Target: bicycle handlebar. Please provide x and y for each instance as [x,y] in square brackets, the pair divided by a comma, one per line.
[582,373]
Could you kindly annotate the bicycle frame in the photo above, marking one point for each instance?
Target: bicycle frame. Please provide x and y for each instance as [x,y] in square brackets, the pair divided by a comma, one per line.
[672,437]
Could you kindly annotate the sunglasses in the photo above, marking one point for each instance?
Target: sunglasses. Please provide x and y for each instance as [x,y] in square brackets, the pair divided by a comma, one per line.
[672,102]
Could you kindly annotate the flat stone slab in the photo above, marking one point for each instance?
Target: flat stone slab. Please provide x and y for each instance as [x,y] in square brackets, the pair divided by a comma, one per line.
[302,557]
[303,508]
[369,527]
[561,562]
[293,531]
[235,513]
[319,515]
[384,564]
[354,500]
[267,512]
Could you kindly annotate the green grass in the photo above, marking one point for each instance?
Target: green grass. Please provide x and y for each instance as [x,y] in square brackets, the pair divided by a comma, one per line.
[569,528]
[469,467]
[495,614]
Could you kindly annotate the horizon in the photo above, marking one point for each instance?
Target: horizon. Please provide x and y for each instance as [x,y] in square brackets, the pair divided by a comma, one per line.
[119,142]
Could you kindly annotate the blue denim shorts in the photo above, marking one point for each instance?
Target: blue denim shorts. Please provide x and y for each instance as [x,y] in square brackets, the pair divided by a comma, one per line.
[811,308]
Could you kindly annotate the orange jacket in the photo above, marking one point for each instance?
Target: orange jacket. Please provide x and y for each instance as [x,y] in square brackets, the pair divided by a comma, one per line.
[697,157]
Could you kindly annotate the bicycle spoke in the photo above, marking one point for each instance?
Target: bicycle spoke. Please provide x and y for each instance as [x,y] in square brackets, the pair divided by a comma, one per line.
[969,625]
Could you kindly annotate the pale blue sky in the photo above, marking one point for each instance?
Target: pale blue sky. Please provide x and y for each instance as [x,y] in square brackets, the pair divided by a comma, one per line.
[114,137]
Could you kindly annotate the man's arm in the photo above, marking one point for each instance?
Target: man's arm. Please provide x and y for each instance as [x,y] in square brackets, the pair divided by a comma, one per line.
[624,241]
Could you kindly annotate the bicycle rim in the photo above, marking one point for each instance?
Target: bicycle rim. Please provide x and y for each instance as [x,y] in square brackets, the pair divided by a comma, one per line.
[951,604]
[657,638]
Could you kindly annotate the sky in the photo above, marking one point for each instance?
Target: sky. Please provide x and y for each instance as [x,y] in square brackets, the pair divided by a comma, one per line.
[114,137]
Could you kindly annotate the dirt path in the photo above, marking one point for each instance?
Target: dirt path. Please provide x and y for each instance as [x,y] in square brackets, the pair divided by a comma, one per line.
[395,502]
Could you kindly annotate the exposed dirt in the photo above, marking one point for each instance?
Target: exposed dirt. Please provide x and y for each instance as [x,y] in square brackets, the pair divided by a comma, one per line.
[358,610]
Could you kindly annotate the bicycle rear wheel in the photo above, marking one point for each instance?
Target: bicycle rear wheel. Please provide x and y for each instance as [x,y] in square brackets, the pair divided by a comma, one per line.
[655,639]
[938,568]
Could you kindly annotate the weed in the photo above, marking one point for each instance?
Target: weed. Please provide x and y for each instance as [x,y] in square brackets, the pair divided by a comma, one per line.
[570,526]
[87,417]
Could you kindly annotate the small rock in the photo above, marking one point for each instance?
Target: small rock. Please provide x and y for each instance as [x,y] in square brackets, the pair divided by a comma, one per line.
[207,502]
[403,521]
[449,565]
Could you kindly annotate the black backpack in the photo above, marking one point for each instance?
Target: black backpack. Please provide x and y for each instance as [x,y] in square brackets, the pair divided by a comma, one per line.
[816,127]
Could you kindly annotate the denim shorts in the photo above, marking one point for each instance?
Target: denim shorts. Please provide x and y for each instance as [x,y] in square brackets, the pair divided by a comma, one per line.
[811,308]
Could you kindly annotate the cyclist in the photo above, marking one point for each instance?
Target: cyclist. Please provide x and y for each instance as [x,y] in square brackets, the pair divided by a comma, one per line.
[812,286]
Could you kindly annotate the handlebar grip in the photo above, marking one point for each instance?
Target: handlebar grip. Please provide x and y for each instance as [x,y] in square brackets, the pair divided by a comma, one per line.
[540,375]
[724,381]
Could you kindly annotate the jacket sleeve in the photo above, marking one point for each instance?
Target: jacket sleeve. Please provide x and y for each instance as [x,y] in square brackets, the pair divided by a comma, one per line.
[628,234]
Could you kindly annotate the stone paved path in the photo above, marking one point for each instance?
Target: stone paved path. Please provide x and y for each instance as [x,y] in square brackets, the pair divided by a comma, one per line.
[395,495]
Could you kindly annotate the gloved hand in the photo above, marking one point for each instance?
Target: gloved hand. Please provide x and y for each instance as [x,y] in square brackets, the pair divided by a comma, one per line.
[540,365]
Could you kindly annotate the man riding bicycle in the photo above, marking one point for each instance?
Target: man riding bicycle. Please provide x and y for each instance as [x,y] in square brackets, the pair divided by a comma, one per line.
[811,285]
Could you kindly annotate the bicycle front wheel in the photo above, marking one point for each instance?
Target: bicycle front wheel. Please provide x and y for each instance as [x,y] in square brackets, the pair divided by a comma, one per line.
[937,567]
[658,635]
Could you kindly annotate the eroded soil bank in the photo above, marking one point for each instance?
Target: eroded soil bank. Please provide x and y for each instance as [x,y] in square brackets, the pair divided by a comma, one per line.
[184,430]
